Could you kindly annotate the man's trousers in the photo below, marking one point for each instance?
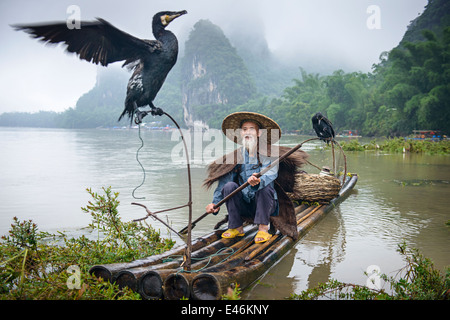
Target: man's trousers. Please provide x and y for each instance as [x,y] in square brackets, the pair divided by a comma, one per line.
[260,207]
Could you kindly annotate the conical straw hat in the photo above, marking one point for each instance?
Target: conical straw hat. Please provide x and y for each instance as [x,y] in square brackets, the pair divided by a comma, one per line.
[271,130]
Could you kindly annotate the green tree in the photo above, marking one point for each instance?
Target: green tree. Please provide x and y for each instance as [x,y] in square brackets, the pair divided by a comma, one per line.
[417,84]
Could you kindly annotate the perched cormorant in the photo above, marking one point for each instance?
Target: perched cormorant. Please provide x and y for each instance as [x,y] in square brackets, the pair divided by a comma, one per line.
[323,127]
[100,42]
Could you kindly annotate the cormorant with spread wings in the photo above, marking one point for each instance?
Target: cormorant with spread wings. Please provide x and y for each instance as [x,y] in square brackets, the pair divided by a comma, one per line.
[100,42]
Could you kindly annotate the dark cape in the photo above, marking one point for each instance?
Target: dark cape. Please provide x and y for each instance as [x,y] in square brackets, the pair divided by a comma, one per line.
[285,221]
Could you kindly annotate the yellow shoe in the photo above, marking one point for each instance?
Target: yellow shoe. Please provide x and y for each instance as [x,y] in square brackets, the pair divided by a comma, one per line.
[263,235]
[232,234]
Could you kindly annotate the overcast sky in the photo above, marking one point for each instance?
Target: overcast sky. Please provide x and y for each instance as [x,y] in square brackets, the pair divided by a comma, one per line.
[36,77]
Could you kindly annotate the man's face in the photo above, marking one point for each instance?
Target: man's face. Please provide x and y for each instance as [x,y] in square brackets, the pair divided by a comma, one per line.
[249,134]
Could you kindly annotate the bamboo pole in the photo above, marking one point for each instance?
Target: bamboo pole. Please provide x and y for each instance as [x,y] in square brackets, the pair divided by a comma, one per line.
[188,250]
[304,217]
[261,247]
[132,276]
[305,212]
[177,286]
[233,262]
[151,282]
[213,285]
[108,271]
[334,156]
[300,208]
[150,285]
[345,162]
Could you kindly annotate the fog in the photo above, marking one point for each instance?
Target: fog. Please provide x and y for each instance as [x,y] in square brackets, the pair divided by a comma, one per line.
[337,34]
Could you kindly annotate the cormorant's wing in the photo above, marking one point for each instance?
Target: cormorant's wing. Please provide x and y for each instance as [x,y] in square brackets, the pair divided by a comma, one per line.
[328,122]
[95,41]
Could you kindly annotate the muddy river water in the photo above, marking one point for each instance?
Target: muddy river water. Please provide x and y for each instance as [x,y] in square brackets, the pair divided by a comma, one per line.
[398,197]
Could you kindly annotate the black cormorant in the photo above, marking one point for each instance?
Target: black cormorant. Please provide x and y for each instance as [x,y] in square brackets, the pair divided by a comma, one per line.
[100,42]
[323,127]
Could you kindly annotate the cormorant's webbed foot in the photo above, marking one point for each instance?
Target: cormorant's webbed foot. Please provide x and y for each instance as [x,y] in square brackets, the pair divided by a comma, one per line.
[157,112]
[139,116]
[142,114]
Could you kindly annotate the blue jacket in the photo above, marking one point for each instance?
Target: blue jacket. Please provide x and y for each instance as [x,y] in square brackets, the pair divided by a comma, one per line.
[285,220]
[245,171]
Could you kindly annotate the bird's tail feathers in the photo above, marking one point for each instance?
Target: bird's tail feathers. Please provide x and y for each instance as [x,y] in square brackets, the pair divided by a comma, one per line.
[129,110]
[123,114]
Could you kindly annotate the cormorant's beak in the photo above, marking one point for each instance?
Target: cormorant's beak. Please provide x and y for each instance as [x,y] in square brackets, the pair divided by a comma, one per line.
[174,16]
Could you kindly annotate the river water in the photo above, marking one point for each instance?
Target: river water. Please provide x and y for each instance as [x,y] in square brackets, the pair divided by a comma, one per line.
[398,197]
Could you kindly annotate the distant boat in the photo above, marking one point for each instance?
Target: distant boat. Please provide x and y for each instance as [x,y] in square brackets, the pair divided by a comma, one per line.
[348,134]
[427,135]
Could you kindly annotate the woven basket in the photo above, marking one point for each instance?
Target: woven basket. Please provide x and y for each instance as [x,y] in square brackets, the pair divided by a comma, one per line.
[315,188]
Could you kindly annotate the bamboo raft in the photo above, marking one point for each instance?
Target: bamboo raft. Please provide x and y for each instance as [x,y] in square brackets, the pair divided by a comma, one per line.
[217,263]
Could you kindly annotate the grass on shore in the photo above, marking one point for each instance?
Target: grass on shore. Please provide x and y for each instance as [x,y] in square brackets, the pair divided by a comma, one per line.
[400,145]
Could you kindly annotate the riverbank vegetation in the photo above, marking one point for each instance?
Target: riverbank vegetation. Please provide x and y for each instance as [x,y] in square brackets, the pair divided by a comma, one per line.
[418,280]
[41,266]
[399,145]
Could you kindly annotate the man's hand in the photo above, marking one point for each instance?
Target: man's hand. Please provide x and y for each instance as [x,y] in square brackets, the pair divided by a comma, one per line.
[210,208]
[253,180]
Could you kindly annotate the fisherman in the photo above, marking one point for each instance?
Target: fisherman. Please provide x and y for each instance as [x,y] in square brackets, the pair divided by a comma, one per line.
[265,199]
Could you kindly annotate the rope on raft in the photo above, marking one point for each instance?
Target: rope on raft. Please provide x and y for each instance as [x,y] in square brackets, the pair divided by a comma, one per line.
[220,252]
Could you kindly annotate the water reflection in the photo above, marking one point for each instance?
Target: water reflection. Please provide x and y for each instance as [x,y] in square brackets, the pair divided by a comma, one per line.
[311,261]
[328,250]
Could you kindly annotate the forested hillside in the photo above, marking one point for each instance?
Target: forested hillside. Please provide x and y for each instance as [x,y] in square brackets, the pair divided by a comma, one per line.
[407,89]
[214,76]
